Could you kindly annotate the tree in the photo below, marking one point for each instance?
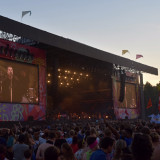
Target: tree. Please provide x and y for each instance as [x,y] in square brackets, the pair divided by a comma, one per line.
[151,92]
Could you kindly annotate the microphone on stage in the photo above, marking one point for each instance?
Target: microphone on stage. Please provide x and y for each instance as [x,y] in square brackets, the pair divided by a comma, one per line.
[10,74]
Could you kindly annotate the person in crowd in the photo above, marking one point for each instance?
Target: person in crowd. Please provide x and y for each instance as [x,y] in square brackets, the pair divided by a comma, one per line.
[80,151]
[156,146]
[71,133]
[128,136]
[44,146]
[3,136]
[43,137]
[74,144]
[107,133]
[93,146]
[28,154]
[29,140]
[146,130]
[37,143]
[20,148]
[157,129]
[106,147]
[93,133]
[52,153]
[9,154]
[81,134]
[11,139]
[67,153]
[59,140]
[142,147]
[3,152]
[119,147]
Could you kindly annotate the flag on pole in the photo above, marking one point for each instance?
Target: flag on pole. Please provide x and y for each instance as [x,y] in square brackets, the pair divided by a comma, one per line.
[138,56]
[159,103]
[26,12]
[149,104]
[124,52]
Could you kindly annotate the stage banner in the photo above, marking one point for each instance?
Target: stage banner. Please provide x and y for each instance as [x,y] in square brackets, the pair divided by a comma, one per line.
[130,107]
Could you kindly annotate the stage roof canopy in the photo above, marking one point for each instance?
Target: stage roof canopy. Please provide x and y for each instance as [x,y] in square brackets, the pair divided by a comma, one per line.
[23,30]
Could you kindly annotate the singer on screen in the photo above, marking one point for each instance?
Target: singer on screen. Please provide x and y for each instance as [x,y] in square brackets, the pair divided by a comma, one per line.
[9,86]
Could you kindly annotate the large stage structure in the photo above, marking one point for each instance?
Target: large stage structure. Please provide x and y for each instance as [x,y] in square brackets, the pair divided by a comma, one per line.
[44,75]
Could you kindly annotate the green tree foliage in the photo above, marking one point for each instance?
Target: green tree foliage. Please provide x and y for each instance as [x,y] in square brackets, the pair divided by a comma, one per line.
[158,86]
[151,92]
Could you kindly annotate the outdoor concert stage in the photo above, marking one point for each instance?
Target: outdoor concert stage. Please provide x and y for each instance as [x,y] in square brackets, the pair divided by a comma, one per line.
[44,75]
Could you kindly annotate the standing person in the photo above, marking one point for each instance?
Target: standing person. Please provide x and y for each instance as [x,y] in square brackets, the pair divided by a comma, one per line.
[67,153]
[11,139]
[93,146]
[59,140]
[27,154]
[2,152]
[10,142]
[44,146]
[119,147]
[20,148]
[106,147]
[142,147]
[80,151]
[7,87]
[52,153]
[156,145]
[93,133]
[74,144]
[71,134]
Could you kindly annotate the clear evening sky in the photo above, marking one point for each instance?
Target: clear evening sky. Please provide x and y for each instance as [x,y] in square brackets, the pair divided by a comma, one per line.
[109,25]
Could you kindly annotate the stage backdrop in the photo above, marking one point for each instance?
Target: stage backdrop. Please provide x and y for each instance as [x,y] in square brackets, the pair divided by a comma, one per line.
[22,82]
[130,107]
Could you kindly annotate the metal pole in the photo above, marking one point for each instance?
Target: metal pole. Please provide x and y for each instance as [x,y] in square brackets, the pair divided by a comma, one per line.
[142,97]
[11,90]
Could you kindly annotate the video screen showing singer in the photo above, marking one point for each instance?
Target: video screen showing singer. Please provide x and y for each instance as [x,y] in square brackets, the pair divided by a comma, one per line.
[18,83]
[9,86]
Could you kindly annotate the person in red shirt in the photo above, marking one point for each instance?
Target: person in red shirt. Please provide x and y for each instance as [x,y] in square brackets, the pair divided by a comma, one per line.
[74,144]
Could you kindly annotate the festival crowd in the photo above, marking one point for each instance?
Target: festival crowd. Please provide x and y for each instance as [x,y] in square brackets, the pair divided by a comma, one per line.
[82,140]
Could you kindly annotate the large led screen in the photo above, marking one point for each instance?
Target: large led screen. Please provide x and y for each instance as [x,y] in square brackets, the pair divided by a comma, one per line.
[18,82]
[130,96]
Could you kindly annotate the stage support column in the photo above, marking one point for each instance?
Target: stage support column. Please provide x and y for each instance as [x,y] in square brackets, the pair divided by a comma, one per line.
[52,88]
[142,97]
[55,82]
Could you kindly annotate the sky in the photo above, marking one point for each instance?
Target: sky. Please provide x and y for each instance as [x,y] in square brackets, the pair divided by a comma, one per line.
[109,25]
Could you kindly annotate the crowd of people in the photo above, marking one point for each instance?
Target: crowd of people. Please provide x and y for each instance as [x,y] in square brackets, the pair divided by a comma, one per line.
[82,140]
